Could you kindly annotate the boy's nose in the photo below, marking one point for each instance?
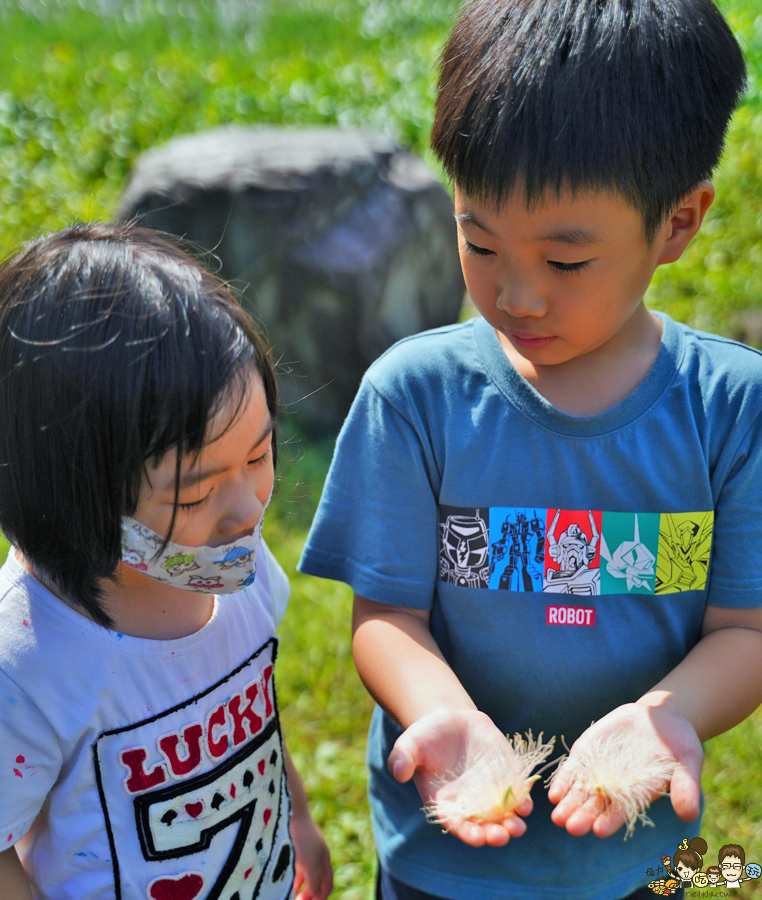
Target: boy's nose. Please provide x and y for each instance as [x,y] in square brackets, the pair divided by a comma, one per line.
[519,300]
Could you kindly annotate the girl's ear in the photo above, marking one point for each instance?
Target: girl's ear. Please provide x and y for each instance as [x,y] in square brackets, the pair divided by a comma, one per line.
[685,222]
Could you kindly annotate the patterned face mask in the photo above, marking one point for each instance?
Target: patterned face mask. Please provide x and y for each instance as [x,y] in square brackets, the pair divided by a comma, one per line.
[209,570]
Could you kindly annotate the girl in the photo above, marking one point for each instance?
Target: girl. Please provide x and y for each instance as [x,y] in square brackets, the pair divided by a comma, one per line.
[140,746]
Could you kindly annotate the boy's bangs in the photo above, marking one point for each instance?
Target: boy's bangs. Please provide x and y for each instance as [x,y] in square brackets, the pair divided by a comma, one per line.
[632,96]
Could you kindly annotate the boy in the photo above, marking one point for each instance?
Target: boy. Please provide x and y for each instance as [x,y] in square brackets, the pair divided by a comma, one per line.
[579,135]
[731,859]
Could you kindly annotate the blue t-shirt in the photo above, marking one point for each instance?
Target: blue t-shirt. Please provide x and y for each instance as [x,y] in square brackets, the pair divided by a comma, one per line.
[567,562]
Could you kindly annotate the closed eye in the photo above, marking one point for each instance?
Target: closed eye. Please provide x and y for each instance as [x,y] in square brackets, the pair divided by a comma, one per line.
[570,268]
[260,459]
[196,504]
[477,251]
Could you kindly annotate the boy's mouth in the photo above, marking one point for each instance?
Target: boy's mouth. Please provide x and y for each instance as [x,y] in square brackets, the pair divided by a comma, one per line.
[530,341]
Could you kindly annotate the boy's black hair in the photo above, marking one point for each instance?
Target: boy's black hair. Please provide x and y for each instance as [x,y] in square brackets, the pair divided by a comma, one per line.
[633,96]
[115,347]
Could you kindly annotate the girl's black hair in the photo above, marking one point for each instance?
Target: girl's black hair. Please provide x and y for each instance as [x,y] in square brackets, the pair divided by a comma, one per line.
[115,347]
[632,96]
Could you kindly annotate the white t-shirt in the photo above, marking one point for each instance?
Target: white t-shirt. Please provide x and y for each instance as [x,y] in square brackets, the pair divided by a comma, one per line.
[144,769]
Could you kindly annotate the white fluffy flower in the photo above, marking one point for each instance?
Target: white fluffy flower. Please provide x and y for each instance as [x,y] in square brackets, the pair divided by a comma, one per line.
[625,773]
[493,787]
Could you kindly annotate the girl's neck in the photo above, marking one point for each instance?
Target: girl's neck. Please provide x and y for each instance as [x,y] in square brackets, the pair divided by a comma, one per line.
[143,608]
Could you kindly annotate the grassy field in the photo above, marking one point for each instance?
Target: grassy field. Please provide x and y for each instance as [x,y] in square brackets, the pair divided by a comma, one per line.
[85,87]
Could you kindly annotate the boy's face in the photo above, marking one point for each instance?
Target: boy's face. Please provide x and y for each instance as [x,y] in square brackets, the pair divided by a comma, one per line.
[559,279]
[731,868]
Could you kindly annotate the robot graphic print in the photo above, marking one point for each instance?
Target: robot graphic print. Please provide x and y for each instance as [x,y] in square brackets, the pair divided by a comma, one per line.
[195,798]
[580,552]
[463,547]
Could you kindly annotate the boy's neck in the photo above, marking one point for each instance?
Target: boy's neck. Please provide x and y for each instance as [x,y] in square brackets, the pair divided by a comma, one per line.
[143,608]
[590,384]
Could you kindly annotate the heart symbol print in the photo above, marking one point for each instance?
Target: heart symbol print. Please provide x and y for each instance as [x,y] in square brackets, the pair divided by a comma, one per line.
[185,888]
[194,809]
[261,767]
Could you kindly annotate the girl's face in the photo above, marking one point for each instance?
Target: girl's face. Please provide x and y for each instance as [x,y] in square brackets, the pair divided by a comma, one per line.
[222,493]
[685,872]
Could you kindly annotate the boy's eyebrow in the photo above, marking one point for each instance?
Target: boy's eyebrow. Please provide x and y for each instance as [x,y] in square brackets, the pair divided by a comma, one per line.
[195,476]
[470,217]
[572,235]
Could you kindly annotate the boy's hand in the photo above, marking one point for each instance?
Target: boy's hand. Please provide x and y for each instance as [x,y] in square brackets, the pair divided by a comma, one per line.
[314,873]
[670,732]
[449,741]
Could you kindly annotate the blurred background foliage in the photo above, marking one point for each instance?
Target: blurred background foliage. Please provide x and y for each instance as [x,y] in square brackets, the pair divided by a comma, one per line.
[86,86]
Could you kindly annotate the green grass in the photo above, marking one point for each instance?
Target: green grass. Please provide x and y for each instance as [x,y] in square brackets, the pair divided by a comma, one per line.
[82,93]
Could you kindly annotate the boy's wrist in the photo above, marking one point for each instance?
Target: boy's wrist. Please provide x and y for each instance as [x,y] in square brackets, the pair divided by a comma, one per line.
[662,699]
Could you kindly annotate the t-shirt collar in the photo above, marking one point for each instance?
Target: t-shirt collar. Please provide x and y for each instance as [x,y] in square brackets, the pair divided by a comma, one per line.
[527,400]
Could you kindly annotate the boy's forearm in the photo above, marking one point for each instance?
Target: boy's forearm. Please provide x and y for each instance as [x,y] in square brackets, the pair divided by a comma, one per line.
[13,881]
[401,664]
[719,682]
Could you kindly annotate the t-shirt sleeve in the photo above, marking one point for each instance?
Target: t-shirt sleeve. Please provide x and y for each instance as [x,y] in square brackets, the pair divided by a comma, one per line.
[31,761]
[376,525]
[736,563]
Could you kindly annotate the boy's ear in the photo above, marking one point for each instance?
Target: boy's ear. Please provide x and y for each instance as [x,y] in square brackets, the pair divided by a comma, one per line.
[685,221]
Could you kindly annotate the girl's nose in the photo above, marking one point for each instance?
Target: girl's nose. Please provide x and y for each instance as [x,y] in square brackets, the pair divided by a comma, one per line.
[243,509]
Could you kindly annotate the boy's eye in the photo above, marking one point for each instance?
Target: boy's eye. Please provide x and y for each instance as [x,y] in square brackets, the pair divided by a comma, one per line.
[477,251]
[570,267]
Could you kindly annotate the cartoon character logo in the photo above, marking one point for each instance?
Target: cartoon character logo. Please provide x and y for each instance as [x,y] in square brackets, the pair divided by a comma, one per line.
[204,584]
[685,869]
[688,860]
[522,546]
[732,859]
[247,582]
[179,564]
[134,560]
[685,541]
[238,556]
[631,560]
[464,547]
[573,552]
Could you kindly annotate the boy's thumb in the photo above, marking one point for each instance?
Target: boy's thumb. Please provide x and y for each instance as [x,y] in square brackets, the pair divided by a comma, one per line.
[685,788]
[404,758]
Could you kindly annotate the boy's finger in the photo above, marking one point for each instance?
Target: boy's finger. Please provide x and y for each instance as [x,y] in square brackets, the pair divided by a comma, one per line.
[404,758]
[523,809]
[685,789]
[514,826]
[560,785]
[470,833]
[570,802]
[608,822]
[583,818]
